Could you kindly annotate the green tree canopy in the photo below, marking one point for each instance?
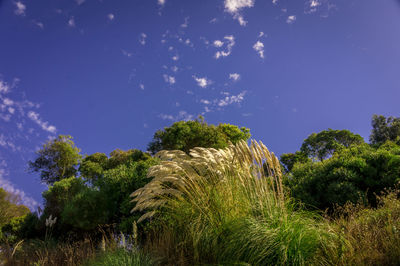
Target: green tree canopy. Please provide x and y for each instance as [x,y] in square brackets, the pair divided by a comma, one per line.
[58,159]
[384,129]
[288,160]
[323,144]
[320,146]
[10,207]
[185,135]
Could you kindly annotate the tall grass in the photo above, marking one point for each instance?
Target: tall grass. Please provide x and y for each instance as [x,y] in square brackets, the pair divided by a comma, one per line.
[373,234]
[228,206]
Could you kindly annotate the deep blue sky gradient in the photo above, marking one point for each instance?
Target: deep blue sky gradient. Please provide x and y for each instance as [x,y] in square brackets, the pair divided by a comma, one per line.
[332,68]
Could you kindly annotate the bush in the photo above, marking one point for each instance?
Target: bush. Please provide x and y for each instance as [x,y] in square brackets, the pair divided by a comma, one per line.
[358,172]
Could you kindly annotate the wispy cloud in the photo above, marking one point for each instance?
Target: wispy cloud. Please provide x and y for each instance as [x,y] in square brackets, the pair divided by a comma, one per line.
[202,82]
[110,17]
[20,8]
[126,53]
[161,2]
[228,49]
[4,87]
[291,19]
[234,76]
[71,22]
[218,43]
[232,99]
[259,48]
[206,102]
[35,117]
[80,2]
[169,79]
[235,7]
[142,38]
[39,24]
[182,115]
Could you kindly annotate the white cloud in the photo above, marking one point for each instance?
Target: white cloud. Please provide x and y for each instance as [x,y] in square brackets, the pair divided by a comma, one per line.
[234,7]
[71,22]
[174,69]
[182,115]
[232,99]
[4,88]
[21,8]
[44,125]
[169,79]
[234,76]
[142,39]
[311,6]
[111,16]
[80,2]
[207,102]
[314,3]
[175,58]
[161,2]
[202,82]
[290,19]
[218,43]
[275,2]
[39,24]
[230,43]
[261,34]
[259,48]
[7,101]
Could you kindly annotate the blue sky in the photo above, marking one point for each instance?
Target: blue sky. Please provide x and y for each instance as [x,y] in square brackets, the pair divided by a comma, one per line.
[111,73]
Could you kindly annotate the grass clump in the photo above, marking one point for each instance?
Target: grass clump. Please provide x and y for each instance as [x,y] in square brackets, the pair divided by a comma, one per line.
[228,206]
[373,233]
[121,257]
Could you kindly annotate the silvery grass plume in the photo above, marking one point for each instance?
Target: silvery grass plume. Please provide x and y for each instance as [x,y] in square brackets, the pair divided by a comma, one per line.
[50,221]
[188,177]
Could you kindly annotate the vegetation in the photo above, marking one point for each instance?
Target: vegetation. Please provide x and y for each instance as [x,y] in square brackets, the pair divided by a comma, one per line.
[187,135]
[204,196]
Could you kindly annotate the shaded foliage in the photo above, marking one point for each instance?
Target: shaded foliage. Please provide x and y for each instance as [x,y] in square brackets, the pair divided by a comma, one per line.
[56,160]
[354,173]
[385,129]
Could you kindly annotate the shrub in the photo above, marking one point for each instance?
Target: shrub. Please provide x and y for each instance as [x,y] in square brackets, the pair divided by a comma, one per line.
[353,173]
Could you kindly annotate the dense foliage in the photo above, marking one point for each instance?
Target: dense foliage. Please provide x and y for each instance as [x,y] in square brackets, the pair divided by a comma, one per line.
[58,159]
[385,129]
[186,135]
[224,203]
[352,174]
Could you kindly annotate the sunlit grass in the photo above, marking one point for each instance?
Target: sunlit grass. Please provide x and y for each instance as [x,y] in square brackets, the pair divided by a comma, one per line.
[229,206]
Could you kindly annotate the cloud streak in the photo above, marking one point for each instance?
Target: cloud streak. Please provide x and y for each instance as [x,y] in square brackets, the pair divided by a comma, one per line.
[35,117]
